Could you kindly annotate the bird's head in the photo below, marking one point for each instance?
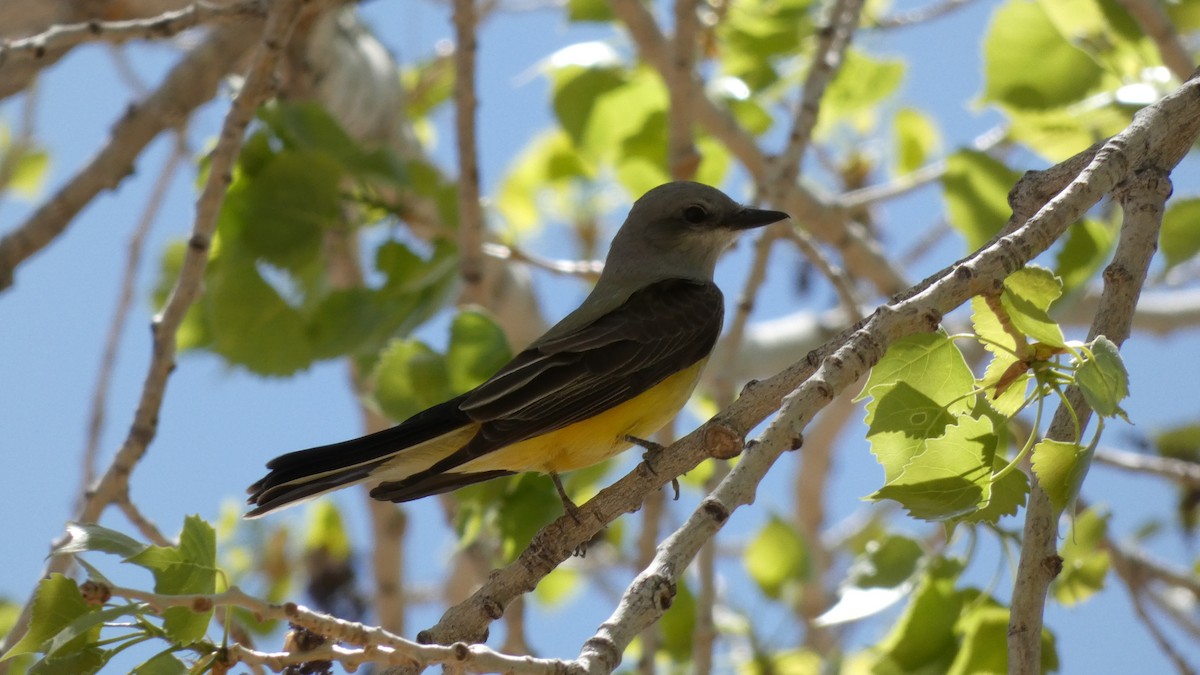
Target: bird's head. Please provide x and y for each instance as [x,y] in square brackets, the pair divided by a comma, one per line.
[680,229]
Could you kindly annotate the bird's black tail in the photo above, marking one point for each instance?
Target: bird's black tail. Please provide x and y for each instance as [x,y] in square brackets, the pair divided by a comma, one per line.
[304,474]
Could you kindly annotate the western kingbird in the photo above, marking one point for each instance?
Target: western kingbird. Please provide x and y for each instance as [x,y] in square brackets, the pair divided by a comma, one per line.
[615,370]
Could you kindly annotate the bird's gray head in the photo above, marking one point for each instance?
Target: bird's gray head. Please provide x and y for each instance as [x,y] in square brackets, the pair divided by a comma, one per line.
[679,230]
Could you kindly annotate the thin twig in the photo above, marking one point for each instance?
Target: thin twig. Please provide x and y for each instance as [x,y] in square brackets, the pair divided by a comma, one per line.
[381,646]
[586,269]
[116,327]
[144,525]
[683,159]
[1135,584]
[165,25]
[1158,27]
[902,185]
[931,11]
[842,284]
[190,84]
[832,42]
[113,484]
[470,212]
[1184,473]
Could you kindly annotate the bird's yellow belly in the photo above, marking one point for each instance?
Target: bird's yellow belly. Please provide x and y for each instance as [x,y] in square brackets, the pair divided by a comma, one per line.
[596,439]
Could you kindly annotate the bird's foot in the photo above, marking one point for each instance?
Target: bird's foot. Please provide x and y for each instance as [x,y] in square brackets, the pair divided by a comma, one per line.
[568,505]
[652,452]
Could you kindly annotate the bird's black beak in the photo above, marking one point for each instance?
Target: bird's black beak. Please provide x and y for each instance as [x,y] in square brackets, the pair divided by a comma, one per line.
[747,218]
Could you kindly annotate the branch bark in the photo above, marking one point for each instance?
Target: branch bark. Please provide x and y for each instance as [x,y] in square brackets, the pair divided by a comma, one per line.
[190,84]
[1143,200]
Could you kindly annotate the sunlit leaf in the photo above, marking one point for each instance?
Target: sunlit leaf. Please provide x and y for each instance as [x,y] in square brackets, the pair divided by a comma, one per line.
[1060,467]
[916,138]
[776,556]
[1179,238]
[1103,378]
[56,603]
[408,378]
[975,189]
[950,478]
[326,531]
[1085,562]
[1029,64]
[477,349]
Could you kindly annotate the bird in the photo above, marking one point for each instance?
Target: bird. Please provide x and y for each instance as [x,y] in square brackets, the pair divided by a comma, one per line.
[605,377]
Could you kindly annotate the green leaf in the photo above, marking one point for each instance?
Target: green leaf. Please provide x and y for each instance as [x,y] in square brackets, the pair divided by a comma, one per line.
[788,662]
[887,562]
[280,213]
[975,188]
[56,604]
[589,10]
[576,91]
[1060,468]
[548,164]
[679,624]
[916,138]
[923,637]
[252,325]
[755,33]
[776,556]
[1179,238]
[530,503]
[409,378]
[163,663]
[92,537]
[189,568]
[326,532]
[1029,64]
[1085,562]
[478,348]
[859,86]
[1059,133]
[1180,442]
[951,478]
[1086,249]
[29,172]
[1008,392]
[918,388]
[1004,497]
[194,332]
[1028,294]
[81,662]
[559,586]
[983,631]
[1103,378]
[85,629]
[344,322]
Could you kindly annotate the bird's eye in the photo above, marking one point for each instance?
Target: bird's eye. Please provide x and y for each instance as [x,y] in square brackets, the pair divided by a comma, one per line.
[695,214]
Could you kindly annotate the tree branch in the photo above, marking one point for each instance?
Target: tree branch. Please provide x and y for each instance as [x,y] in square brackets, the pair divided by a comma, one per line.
[1158,27]
[470,213]
[1162,133]
[1184,473]
[22,58]
[190,84]
[1143,201]
[113,484]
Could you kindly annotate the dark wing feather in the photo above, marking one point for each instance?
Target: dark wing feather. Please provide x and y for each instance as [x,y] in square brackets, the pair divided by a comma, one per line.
[659,331]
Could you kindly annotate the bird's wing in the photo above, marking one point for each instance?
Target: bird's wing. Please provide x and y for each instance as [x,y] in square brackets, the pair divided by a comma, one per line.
[659,331]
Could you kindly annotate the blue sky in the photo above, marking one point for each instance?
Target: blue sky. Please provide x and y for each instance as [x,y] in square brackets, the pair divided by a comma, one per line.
[218,426]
